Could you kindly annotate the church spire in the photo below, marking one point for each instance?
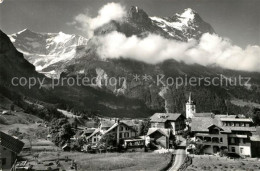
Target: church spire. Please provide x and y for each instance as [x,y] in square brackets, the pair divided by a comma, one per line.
[190,98]
[190,108]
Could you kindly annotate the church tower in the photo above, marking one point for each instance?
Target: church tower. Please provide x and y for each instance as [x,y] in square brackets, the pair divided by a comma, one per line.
[190,108]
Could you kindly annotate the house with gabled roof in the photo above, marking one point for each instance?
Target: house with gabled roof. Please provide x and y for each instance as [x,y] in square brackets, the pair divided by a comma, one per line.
[121,130]
[94,137]
[164,127]
[10,147]
[224,132]
[173,121]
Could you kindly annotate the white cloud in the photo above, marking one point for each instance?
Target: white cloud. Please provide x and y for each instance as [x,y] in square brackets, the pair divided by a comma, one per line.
[110,11]
[210,49]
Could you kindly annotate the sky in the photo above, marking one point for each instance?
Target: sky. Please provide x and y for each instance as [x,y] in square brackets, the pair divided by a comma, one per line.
[238,20]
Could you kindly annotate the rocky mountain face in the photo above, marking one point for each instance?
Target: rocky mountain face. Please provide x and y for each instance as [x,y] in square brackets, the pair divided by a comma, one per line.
[12,61]
[142,96]
[14,65]
[183,26]
[44,49]
[180,27]
[50,53]
[91,99]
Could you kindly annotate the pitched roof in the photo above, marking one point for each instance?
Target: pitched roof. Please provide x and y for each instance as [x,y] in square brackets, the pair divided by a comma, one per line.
[107,123]
[95,132]
[91,124]
[129,122]
[203,114]
[89,130]
[163,131]
[120,123]
[11,143]
[201,124]
[237,119]
[163,117]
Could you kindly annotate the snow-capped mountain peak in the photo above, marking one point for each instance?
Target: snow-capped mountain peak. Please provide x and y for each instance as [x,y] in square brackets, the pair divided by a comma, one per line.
[44,49]
[184,26]
[186,16]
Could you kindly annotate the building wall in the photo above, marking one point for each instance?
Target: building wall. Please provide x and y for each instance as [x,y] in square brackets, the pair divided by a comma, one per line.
[157,125]
[255,148]
[173,124]
[246,149]
[238,144]
[125,132]
[9,157]
[223,136]
[159,139]
[95,138]
[211,145]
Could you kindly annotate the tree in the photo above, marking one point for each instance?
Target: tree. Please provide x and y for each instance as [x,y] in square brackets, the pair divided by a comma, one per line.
[107,140]
[199,148]
[61,131]
[144,127]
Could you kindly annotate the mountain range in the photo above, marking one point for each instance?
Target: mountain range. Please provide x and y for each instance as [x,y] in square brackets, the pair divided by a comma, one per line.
[61,55]
[44,49]
[50,52]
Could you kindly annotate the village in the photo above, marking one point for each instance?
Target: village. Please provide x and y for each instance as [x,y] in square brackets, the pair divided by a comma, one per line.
[165,141]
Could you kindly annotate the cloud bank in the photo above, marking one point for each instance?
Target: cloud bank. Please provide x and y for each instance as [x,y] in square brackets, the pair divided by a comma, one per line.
[110,11]
[210,49]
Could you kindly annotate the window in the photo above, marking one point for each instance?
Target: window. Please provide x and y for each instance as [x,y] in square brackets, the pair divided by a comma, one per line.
[232,140]
[120,135]
[241,150]
[94,139]
[221,140]
[233,149]
[3,161]
[126,134]
[121,128]
[244,140]
[126,128]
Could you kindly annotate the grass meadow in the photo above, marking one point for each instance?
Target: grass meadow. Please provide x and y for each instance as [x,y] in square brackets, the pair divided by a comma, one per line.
[112,161]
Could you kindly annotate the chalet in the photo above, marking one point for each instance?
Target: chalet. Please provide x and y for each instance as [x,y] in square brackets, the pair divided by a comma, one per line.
[9,149]
[161,137]
[172,121]
[224,132]
[120,130]
[164,126]
[94,137]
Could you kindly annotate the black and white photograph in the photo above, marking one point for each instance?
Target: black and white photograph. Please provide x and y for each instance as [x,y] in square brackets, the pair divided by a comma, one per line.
[130,85]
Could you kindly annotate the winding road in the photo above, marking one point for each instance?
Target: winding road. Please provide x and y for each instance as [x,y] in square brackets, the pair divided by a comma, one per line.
[180,156]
